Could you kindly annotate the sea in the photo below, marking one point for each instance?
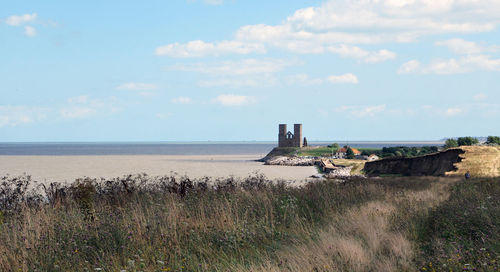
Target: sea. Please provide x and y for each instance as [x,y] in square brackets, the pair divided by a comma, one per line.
[173,148]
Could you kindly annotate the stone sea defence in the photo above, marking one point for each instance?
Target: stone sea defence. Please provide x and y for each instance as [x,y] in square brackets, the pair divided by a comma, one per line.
[290,161]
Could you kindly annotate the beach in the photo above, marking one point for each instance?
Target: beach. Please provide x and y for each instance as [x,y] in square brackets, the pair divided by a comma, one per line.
[68,168]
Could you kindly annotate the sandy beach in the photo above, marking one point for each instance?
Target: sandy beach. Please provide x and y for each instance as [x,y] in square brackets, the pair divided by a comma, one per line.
[69,168]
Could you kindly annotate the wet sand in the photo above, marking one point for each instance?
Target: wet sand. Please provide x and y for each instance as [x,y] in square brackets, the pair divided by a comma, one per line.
[69,168]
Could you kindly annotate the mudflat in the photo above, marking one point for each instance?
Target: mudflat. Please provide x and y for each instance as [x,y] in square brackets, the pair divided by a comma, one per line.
[69,168]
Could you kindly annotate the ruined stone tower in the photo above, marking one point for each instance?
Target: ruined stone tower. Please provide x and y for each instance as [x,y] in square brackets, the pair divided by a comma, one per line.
[289,139]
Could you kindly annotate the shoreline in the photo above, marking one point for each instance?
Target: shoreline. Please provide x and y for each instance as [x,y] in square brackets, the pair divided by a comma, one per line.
[63,168]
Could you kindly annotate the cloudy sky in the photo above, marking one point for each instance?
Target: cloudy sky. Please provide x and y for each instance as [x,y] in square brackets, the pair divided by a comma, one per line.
[184,70]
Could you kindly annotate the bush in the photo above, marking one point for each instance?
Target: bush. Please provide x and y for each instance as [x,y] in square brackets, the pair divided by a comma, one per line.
[450,143]
[467,141]
[350,153]
[493,140]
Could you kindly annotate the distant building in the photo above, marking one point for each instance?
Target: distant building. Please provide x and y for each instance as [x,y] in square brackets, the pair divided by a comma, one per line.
[342,152]
[373,157]
[289,139]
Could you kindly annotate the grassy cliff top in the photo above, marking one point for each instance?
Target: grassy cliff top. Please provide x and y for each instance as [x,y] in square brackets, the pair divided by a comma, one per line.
[481,161]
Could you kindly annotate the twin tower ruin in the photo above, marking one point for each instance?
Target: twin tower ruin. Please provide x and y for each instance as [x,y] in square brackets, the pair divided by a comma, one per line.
[289,139]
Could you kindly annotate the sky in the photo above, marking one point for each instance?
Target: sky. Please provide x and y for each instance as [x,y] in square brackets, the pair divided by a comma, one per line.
[232,70]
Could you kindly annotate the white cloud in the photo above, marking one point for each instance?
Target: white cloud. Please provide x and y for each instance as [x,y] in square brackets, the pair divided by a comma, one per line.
[137,86]
[30,31]
[182,100]
[362,111]
[214,2]
[302,79]
[243,67]
[480,97]
[463,64]
[337,23]
[17,20]
[200,48]
[77,112]
[363,55]
[239,82]
[345,78]
[163,116]
[19,115]
[446,111]
[231,100]
[418,16]
[80,107]
[409,67]
[460,46]
[453,111]
[82,99]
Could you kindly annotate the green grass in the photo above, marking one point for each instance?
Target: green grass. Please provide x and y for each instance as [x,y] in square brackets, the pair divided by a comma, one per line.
[128,225]
[324,151]
[317,152]
[138,223]
[464,232]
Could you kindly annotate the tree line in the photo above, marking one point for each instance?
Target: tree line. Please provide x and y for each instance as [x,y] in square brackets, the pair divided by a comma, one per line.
[461,141]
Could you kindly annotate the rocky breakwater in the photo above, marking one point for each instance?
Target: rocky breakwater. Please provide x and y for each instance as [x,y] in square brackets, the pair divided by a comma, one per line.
[290,161]
[339,172]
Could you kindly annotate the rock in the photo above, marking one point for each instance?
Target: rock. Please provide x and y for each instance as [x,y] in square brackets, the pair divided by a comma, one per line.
[290,161]
[339,172]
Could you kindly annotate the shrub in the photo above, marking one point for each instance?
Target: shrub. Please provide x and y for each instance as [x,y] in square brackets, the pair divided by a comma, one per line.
[467,141]
[493,140]
[450,143]
[350,153]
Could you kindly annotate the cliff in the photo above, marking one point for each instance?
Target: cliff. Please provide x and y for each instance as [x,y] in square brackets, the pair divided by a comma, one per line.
[481,161]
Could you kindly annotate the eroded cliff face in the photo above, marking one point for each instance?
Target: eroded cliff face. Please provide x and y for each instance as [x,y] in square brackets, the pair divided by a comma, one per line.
[436,164]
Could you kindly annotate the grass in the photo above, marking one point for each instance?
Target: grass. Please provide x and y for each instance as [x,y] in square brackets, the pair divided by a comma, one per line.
[142,223]
[317,151]
[323,151]
[464,232]
[357,165]
[481,161]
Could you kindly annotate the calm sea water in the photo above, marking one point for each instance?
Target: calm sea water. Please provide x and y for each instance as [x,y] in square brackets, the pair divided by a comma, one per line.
[198,148]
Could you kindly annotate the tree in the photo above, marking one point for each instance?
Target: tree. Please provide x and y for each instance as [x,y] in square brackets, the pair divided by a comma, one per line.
[467,141]
[450,143]
[493,140]
[349,153]
[334,146]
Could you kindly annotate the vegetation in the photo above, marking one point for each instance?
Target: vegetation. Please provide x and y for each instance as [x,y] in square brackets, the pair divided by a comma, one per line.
[320,151]
[480,161]
[449,143]
[140,223]
[405,151]
[357,165]
[464,232]
[494,140]
[349,153]
[464,141]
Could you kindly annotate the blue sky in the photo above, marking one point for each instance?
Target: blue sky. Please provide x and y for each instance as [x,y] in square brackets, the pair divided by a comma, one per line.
[230,70]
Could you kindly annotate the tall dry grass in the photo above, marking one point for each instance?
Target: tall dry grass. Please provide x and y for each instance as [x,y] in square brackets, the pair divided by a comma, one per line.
[141,223]
[151,224]
[480,161]
[376,236]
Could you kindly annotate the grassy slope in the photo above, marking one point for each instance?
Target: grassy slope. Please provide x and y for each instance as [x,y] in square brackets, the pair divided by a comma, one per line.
[481,161]
[384,224]
[464,232]
[357,165]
